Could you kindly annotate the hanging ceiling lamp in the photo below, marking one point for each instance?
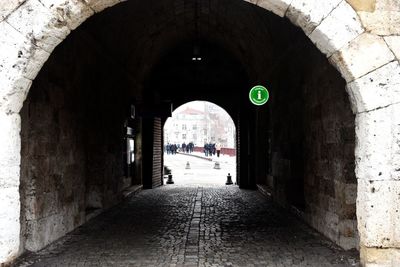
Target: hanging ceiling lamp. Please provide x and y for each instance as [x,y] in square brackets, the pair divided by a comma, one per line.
[196,53]
[196,46]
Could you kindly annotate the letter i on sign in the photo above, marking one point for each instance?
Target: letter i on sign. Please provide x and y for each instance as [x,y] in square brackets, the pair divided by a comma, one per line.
[259,95]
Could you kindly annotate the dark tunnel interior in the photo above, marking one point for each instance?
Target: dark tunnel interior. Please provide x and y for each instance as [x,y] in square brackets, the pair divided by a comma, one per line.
[155,56]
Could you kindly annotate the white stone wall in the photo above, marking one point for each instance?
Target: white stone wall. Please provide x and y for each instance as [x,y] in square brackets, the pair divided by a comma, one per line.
[9,185]
[31,29]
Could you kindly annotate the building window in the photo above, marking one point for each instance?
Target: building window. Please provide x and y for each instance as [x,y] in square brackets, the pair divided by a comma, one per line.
[129,152]
[184,136]
[130,146]
[194,126]
[194,137]
[183,126]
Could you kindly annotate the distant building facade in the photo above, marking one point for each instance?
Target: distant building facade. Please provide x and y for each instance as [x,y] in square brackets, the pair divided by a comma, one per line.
[200,123]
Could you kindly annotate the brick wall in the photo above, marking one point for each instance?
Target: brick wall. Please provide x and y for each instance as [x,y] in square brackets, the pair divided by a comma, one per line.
[224,151]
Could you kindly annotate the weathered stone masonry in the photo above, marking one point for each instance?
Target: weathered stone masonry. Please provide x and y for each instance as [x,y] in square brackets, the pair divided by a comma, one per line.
[312,145]
[361,41]
[71,125]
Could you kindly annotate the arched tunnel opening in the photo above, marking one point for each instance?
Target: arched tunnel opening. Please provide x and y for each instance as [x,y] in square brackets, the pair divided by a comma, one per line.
[114,80]
[200,146]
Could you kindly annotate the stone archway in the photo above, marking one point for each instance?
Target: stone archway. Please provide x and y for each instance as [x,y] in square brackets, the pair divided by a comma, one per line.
[31,29]
[199,117]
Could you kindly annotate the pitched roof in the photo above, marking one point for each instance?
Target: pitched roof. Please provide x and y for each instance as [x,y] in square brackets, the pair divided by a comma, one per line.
[191,111]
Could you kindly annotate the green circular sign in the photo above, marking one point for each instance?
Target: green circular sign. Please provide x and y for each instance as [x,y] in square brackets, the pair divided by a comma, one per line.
[259,95]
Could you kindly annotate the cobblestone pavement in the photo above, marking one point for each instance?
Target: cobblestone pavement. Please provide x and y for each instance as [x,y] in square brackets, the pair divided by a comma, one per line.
[193,226]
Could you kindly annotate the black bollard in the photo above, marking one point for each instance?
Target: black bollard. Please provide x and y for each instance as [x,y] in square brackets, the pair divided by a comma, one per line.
[229,179]
[170,181]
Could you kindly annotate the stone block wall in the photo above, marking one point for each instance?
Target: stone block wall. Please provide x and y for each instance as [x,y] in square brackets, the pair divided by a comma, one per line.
[380,17]
[52,167]
[330,185]
[312,144]
[31,29]
[72,142]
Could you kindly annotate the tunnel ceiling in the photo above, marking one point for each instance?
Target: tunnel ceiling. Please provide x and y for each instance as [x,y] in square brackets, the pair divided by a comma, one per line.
[245,40]
[196,69]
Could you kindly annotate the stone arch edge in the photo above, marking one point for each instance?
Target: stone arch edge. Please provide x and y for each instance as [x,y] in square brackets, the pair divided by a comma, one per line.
[35,27]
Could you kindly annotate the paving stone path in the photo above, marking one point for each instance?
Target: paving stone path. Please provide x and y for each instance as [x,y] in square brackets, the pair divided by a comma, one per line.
[193,226]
